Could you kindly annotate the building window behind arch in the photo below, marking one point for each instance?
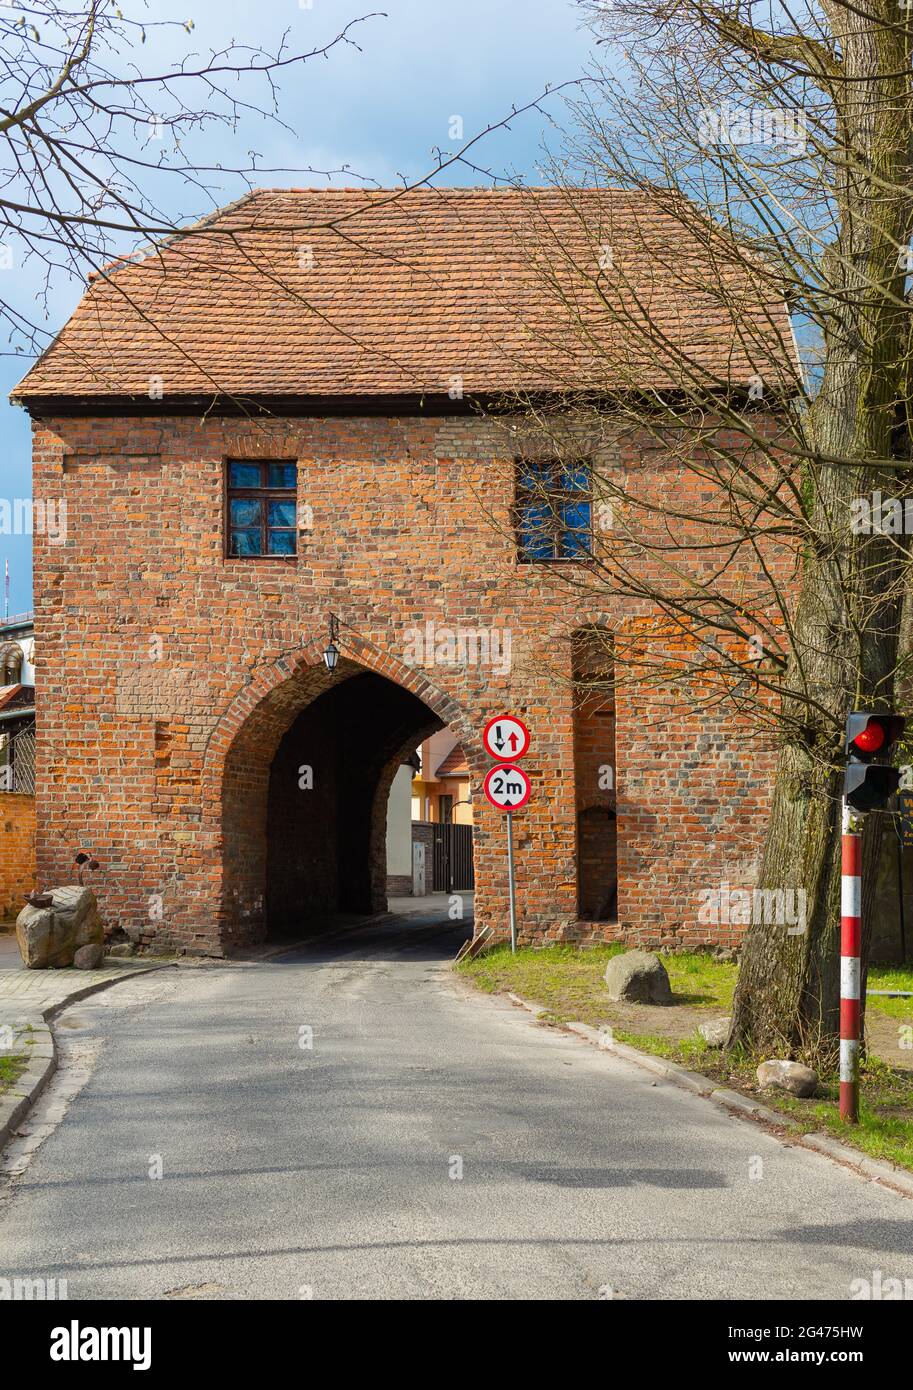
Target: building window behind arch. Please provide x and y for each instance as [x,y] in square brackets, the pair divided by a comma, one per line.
[11,667]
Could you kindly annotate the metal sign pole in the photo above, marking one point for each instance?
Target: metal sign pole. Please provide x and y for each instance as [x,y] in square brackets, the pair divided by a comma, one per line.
[510,879]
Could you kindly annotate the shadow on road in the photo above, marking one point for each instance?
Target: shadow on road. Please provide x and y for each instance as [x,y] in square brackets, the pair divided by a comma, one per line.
[427,935]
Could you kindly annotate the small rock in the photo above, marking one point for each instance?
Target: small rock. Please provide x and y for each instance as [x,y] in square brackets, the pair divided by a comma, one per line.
[715,1031]
[89,957]
[638,977]
[123,948]
[793,1077]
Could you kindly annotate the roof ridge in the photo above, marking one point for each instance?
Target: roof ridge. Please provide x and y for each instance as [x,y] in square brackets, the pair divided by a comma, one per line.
[454,188]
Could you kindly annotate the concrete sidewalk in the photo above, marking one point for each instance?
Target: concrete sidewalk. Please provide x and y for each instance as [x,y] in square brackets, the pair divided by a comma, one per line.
[432,904]
[40,990]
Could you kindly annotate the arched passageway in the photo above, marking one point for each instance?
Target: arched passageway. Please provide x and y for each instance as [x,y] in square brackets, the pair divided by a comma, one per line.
[327,806]
[304,799]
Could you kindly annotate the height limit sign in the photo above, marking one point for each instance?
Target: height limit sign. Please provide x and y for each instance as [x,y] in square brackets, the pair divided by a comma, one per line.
[507,787]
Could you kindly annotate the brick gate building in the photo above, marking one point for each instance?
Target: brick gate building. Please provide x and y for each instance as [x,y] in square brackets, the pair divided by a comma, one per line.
[269,422]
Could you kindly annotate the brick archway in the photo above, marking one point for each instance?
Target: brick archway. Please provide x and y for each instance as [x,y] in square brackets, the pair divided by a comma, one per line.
[251,794]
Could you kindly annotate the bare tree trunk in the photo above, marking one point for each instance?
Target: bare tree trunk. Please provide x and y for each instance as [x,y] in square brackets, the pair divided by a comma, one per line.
[848,615]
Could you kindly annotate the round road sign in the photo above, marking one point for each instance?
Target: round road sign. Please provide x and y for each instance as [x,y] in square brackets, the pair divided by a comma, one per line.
[505,736]
[507,787]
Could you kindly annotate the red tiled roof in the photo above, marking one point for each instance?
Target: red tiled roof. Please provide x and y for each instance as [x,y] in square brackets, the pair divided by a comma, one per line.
[13,695]
[323,292]
[455,764]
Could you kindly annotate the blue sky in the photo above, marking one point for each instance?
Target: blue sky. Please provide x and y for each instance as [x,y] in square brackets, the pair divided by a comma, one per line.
[381,111]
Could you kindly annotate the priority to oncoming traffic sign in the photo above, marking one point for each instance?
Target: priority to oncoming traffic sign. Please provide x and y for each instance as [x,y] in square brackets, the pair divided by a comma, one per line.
[505,736]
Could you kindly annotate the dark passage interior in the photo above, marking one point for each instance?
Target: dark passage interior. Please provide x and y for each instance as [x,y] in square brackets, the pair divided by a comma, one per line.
[327,800]
[594,772]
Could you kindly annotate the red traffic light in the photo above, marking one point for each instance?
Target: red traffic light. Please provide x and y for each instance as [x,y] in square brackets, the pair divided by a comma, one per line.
[870,736]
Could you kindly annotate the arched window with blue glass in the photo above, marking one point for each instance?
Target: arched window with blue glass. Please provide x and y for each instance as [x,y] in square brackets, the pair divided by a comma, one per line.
[262,509]
[554,510]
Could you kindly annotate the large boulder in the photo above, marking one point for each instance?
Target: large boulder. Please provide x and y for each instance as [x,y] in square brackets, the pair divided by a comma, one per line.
[51,936]
[783,1075]
[638,977]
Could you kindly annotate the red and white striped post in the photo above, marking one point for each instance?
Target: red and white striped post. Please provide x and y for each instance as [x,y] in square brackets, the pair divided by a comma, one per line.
[850,973]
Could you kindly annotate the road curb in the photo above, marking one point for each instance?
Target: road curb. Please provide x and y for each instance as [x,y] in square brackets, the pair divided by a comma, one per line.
[41,1048]
[16,1102]
[742,1107]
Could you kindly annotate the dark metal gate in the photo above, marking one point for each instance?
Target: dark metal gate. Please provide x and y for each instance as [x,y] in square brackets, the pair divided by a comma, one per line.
[452,867]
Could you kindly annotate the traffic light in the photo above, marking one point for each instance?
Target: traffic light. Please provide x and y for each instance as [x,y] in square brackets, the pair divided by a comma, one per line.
[870,779]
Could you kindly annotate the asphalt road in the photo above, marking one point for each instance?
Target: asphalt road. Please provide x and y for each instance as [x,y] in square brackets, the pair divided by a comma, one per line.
[332,1170]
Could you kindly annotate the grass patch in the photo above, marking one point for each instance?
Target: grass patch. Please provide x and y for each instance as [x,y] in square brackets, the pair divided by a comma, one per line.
[891,977]
[885,1128]
[691,1052]
[11,1068]
[569,982]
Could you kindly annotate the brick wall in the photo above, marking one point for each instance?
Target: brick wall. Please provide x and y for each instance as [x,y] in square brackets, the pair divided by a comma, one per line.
[399,885]
[17,851]
[172,707]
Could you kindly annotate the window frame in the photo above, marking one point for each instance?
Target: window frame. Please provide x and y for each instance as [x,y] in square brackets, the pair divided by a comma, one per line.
[553,497]
[265,495]
[11,655]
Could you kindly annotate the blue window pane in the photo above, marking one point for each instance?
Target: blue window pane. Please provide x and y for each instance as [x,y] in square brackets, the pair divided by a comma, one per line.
[575,529]
[575,516]
[574,479]
[281,542]
[245,511]
[282,514]
[535,533]
[244,475]
[282,475]
[533,475]
[245,542]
